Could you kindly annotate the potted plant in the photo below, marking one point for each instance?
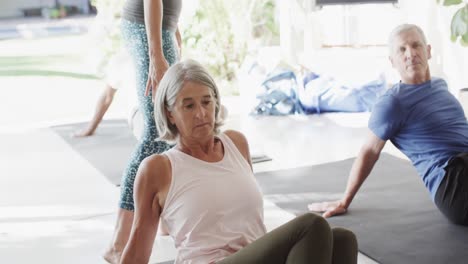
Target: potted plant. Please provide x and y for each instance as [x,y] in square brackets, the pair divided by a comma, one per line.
[459,24]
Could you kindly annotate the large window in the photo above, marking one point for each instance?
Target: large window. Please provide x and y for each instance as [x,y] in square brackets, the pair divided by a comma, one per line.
[357,25]
[345,2]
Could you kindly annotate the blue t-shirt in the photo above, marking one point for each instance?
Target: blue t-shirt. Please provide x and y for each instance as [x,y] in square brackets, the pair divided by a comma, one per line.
[426,122]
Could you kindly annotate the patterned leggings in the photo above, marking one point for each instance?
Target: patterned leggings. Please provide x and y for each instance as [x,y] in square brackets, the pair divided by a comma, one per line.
[134,35]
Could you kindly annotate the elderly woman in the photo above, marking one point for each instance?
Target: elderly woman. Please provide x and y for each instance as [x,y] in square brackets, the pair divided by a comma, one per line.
[204,193]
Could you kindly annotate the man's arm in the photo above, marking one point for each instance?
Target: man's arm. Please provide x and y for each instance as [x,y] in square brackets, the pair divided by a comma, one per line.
[362,166]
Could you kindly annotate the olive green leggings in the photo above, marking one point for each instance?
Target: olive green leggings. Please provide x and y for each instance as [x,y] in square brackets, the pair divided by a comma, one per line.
[305,239]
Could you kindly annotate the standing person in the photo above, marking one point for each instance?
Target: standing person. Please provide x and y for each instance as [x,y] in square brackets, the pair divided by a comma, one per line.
[423,120]
[110,57]
[114,80]
[150,32]
[204,192]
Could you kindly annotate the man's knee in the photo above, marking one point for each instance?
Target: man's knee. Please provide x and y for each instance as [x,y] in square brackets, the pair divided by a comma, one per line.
[458,218]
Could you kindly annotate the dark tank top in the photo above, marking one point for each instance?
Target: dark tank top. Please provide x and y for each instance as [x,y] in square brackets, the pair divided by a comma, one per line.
[133,11]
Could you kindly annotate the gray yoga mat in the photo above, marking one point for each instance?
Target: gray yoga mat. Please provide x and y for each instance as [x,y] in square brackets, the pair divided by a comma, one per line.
[108,150]
[392,215]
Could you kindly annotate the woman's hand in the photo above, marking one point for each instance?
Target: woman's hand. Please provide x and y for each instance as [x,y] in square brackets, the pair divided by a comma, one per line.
[156,71]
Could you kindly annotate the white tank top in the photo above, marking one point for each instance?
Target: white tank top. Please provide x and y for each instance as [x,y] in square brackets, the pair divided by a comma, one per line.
[212,209]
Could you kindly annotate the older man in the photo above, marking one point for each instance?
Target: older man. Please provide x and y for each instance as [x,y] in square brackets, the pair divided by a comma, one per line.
[423,120]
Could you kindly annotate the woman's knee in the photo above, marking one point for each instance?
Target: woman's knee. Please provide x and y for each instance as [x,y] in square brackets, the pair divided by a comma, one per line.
[345,246]
[344,236]
[314,220]
[314,225]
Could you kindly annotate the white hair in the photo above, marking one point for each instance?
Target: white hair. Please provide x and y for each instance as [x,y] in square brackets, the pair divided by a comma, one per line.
[404,28]
[170,86]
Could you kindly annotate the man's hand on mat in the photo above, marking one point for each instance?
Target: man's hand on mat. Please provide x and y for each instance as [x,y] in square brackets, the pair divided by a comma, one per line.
[329,209]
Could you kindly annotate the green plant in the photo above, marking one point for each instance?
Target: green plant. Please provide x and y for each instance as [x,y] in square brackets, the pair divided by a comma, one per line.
[219,32]
[459,24]
[263,22]
[210,38]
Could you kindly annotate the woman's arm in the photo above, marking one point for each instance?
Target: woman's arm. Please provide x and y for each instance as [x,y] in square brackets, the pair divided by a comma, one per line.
[158,65]
[179,41]
[147,194]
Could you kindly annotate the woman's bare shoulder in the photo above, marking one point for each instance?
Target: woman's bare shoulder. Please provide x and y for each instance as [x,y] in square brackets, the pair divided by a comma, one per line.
[155,169]
[236,136]
[240,141]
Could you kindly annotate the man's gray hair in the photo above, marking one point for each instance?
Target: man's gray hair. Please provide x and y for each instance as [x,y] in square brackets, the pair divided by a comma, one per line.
[170,86]
[403,28]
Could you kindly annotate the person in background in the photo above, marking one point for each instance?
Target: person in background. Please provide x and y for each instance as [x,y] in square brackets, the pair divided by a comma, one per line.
[422,119]
[150,33]
[114,80]
[108,56]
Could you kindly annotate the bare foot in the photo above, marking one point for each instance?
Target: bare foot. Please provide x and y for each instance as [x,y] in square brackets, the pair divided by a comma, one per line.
[112,256]
[121,235]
